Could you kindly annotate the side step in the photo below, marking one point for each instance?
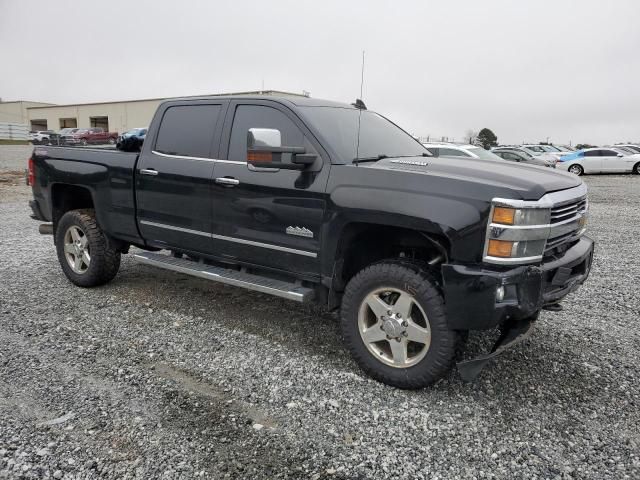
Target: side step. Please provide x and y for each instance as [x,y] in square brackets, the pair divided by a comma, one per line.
[287,290]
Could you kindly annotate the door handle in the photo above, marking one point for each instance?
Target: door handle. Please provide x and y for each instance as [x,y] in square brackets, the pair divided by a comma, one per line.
[227,181]
[148,171]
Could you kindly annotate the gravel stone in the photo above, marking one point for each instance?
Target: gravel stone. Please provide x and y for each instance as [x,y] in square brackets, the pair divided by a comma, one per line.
[155,401]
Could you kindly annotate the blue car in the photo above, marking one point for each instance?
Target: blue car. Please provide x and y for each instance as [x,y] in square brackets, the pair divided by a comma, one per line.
[131,140]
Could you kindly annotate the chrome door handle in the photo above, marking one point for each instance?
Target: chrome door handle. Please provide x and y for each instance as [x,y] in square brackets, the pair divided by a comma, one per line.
[148,171]
[230,182]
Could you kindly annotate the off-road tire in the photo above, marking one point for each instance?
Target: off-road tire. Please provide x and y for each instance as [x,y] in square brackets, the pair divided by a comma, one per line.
[105,260]
[422,285]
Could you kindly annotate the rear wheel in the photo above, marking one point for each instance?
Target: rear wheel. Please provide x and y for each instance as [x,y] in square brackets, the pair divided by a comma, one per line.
[576,169]
[83,250]
[636,168]
[84,142]
[394,325]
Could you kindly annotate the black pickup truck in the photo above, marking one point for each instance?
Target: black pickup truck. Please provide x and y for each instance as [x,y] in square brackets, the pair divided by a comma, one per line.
[319,201]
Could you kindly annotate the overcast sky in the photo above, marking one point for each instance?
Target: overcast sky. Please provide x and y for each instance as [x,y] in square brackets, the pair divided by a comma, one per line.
[527,69]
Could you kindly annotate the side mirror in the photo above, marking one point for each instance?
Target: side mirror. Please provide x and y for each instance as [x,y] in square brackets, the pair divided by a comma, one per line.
[620,155]
[264,150]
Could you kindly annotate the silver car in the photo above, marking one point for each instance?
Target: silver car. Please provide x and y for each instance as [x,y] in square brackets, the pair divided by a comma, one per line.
[515,154]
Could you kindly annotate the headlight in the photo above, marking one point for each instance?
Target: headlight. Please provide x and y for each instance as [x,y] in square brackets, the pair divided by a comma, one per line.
[520,231]
[520,216]
[516,235]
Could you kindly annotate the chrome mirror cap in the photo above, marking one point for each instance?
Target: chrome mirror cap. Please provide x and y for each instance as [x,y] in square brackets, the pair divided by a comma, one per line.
[263,137]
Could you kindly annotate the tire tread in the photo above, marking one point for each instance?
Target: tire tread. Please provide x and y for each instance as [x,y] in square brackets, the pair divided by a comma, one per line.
[442,353]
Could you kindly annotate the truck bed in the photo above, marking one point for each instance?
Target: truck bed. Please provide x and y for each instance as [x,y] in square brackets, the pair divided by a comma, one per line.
[106,173]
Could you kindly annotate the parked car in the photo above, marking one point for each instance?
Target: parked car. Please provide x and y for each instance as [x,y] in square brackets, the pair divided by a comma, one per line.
[565,148]
[516,154]
[65,135]
[600,160]
[414,250]
[41,136]
[634,147]
[623,149]
[464,150]
[86,136]
[131,140]
[538,151]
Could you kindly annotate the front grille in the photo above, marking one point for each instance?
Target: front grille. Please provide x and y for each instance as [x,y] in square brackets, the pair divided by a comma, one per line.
[568,210]
[565,213]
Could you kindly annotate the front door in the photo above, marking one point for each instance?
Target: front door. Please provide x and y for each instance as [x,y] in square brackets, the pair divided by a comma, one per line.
[266,217]
[173,177]
[592,161]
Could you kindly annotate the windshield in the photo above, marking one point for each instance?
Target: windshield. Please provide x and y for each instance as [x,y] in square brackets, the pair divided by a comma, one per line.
[483,154]
[550,148]
[535,148]
[378,136]
[526,154]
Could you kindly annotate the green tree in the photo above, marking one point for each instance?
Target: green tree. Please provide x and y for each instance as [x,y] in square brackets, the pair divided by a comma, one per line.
[487,139]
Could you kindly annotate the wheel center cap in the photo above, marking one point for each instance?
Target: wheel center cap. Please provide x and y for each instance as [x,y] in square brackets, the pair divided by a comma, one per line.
[392,327]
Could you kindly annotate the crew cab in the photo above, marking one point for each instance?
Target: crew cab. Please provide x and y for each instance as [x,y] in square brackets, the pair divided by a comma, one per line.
[318,201]
[96,135]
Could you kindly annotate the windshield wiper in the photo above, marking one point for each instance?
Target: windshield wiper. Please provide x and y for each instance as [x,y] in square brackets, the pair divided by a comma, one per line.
[423,154]
[382,156]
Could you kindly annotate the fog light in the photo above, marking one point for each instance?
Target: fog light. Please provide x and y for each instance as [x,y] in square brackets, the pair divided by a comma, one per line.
[500,293]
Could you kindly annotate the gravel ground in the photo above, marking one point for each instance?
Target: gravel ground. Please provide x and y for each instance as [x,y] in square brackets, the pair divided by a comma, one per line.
[159,375]
[14,157]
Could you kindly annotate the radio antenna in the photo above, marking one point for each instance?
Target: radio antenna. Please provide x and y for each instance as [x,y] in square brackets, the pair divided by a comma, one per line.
[359,104]
[362,76]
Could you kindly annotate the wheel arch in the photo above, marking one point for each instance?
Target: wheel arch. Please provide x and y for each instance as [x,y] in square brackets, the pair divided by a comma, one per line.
[360,244]
[66,197]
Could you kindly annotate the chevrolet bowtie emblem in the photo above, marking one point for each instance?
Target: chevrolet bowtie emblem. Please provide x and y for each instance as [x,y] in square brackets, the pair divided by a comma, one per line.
[300,232]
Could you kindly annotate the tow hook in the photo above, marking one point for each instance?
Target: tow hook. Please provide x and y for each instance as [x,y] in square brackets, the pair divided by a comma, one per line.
[46,229]
[516,333]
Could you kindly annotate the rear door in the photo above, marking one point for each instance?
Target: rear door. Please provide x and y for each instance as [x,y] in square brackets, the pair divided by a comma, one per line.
[612,162]
[173,176]
[267,217]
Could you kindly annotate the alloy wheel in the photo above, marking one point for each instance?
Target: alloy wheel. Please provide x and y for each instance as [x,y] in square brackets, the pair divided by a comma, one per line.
[394,327]
[76,249]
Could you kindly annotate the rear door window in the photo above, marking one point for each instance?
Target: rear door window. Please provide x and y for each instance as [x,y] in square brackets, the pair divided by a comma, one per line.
[608,153]
[434,151]
[453,153]
[187,130]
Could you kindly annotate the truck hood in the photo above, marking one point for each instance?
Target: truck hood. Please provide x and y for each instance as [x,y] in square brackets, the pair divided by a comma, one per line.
[522,181]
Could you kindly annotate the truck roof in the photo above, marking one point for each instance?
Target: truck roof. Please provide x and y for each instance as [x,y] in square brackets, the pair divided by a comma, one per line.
[297,100]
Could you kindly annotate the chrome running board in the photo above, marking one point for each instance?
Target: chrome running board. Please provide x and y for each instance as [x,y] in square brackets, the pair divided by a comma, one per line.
[279,288]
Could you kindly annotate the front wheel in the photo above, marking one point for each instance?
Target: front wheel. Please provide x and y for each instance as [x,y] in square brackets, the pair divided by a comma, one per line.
[112,141]
[576,169]
[636,168]
[83,250]
[394,325]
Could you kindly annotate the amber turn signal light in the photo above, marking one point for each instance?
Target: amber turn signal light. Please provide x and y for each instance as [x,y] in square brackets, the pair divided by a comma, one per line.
[503,215]
[499,248]
[259,157]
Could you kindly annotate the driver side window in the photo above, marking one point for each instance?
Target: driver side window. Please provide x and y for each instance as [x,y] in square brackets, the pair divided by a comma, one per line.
[258,116]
